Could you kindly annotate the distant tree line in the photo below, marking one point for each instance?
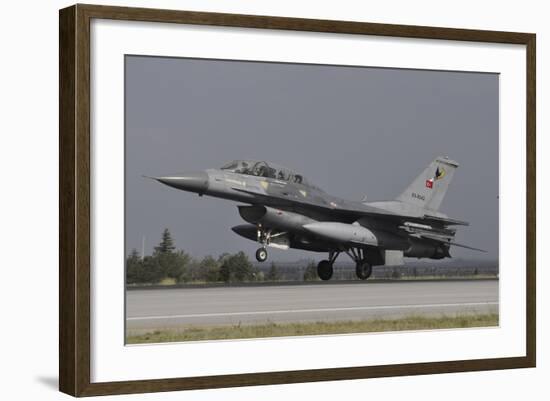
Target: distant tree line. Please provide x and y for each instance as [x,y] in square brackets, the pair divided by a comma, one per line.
[168,263]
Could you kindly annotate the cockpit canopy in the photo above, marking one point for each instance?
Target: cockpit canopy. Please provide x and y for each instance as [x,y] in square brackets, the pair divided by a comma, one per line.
[263,169]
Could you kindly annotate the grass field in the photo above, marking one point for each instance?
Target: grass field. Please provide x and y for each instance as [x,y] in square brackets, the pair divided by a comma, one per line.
[195,333]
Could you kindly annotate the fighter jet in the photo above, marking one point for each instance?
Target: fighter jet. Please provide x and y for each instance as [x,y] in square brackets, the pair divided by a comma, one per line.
[284,210]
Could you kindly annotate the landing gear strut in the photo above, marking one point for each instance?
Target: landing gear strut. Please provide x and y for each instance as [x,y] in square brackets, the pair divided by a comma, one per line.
[324,268]
[363,269]
[264,236]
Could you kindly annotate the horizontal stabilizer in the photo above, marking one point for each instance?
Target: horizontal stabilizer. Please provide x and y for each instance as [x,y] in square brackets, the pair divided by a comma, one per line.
[446,221]
[440,239]
[468,247]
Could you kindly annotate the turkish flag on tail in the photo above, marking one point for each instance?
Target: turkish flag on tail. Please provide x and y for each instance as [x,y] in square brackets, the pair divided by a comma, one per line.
[429,184]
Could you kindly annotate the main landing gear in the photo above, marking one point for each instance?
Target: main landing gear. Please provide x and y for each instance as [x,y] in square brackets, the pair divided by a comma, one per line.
[363,269]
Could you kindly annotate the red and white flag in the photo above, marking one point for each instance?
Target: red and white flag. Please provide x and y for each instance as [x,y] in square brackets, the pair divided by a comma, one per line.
[429,184]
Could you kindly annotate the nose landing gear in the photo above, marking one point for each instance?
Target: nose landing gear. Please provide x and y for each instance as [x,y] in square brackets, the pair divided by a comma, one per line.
[267,236]
[261,254]
[263,236]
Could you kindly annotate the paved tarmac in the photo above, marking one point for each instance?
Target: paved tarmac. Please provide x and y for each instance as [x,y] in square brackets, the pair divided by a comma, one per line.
[165,308]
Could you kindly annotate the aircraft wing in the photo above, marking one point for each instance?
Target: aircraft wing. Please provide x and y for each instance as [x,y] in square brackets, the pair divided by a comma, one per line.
[347,211]
[343,209]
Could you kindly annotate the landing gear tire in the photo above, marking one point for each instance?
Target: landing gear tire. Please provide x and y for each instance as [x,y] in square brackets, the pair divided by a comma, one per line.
[363,270]
[261,255]
[324,270]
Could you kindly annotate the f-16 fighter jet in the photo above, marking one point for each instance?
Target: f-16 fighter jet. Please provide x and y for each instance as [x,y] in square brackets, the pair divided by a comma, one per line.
[283,210]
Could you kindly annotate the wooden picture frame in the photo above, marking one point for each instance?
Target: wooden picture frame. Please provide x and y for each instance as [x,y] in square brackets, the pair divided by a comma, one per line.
[74,199]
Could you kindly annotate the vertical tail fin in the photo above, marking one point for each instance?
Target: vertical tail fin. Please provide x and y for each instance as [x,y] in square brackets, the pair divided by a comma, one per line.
[429,188]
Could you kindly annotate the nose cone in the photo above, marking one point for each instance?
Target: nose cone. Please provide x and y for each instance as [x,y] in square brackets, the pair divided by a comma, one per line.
[191,181]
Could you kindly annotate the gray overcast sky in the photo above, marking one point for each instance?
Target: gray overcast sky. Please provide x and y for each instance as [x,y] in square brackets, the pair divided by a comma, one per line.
[353,131]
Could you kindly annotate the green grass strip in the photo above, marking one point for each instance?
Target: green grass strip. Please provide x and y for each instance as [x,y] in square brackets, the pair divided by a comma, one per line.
[195,333]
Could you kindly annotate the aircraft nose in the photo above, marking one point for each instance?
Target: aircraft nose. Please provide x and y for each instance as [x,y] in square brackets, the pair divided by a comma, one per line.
[189,181]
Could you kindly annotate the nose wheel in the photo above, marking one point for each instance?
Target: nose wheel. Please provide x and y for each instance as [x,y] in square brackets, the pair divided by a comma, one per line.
[261,255]
[263,237]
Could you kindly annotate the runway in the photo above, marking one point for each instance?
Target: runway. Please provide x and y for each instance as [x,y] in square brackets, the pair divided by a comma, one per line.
[166,308]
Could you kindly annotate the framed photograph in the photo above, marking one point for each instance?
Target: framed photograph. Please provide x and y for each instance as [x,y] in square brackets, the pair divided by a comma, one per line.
[249,200]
